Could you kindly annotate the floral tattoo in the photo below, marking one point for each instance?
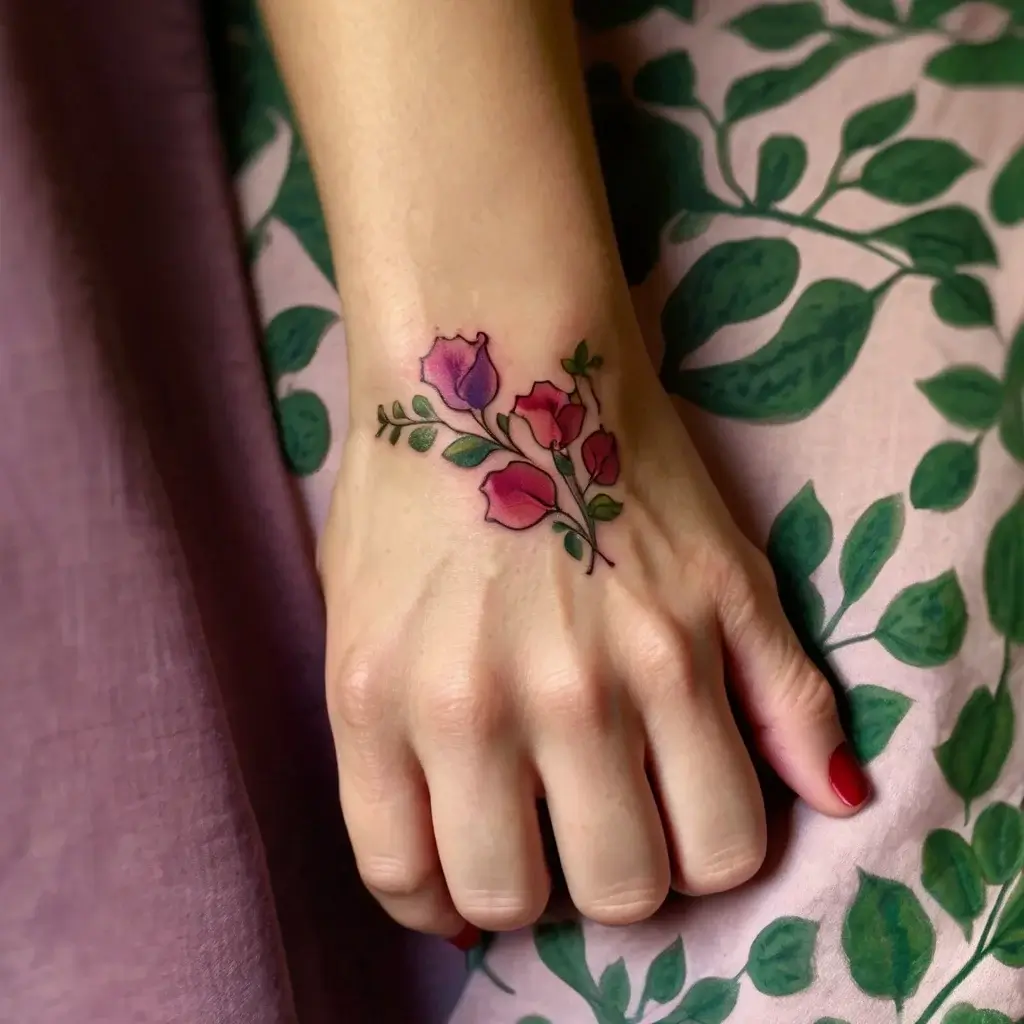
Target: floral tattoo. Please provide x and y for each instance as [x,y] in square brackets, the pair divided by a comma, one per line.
[523,493]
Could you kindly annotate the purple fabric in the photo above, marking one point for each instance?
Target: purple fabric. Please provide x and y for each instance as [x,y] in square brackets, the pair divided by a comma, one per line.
[170,844]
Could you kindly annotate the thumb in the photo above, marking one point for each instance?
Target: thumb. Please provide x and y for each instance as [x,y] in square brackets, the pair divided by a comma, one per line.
[790,705]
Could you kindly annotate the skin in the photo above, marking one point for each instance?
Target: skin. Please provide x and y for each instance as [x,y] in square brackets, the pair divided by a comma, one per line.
[471,669]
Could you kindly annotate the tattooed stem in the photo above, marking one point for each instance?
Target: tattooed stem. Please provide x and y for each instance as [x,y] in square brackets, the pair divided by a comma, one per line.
[591,535]
[509,445]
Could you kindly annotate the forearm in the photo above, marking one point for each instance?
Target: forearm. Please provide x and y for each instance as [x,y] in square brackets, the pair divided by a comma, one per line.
[458,176]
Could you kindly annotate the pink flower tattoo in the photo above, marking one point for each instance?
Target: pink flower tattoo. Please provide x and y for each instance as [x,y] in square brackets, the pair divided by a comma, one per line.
[532,485]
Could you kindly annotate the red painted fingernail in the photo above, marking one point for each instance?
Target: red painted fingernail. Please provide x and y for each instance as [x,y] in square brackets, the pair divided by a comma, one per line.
[466,939]
[847,777]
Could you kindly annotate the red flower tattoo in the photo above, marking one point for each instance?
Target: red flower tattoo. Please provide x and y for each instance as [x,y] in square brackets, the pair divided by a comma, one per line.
[535,484]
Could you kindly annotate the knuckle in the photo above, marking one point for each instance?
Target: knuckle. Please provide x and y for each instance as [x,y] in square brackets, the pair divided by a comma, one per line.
[497,911]
[462,710]
[729,866]
[663,665]
[800,692]
[357,697]
[397,877]
[566,698]
[626,903]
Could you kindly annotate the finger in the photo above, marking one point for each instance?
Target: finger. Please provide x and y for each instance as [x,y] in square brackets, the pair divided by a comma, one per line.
[386,808]
[483,803]
[710,796]
[790,705]
[611,843]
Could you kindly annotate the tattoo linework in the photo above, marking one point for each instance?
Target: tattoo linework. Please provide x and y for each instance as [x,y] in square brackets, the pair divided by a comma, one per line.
[523,493]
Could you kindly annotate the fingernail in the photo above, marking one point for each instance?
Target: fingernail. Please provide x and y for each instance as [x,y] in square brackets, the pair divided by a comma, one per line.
[847,777]
[466,939]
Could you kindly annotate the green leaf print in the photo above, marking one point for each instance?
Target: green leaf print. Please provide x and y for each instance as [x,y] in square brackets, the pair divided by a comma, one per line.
[877,123]
[830,1020]
[963,301]
[870,544]
[1011,423]
[1006,200]
[730,284]
[298,206]
[667,80]
[778,26]
[974,755]
[781,960]
[774,87]
[780,166]
[801,535]
[945,238]
[914,170]
[614,986]
[888,939]
[926,13]
[881,10]
[875,712]
[666,975]
[925,623]
[996,63]
[304,429]
[690,226]
[600,15]
[967,396]
[1004,573]
[562,950]
[964,1013]
[1008,941]
[998,842]
[951,875]
[293,336]
[533,1018]
[797,370]
[945,477]
[709,1001]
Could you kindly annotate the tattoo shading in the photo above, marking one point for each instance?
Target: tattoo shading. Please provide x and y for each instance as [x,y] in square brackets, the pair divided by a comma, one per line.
[525,491]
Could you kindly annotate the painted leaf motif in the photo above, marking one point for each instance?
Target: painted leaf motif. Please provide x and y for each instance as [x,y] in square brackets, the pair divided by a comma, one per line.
[882,10]
[965,395]
[1006,200]
[951,874]
[305,431]
[964,1013]
[801,535]
[924,625]
[871,543]
[292,338]
[781,959]
[1004,573]
[1008,941]
[1011,423]
[666,975]
[778,26]
[963,301]
[614,986]
[877,123]
[797,370]
[730,284]
[974,755]
[1000,62]
[875,712]
[562,950]
[667,80]
[781,163]
[774,87]
[468,451]
[888,939]
[945,477]
[998,842]
[946,237]
[421,439]
[914,170]
[298,206]
[709,1001]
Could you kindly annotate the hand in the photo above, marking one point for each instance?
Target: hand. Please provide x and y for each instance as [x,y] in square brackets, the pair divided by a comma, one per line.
[474,669]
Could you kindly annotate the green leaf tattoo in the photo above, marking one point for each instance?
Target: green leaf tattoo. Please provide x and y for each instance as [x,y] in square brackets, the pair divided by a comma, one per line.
[573,545]
[924,625]
[422,438]
[781,960]
[422,407]
[469,450]
[888,939]
[951,875]
[604,508]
